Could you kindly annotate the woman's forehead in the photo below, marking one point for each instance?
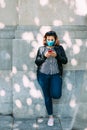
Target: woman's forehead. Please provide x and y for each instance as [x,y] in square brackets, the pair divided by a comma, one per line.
[50,37]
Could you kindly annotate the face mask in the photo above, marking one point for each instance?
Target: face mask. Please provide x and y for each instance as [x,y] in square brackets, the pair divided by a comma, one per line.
[50,43]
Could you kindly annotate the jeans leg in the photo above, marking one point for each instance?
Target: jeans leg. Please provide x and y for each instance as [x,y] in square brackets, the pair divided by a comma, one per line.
[45,85]
[56,86]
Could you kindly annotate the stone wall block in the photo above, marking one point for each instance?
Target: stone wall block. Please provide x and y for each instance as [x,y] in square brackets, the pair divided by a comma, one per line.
[5,54]
[8,32]
[23,55]
[6,92]
[27,96]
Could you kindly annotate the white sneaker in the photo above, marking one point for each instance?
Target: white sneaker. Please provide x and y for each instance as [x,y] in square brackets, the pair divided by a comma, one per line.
[50,122]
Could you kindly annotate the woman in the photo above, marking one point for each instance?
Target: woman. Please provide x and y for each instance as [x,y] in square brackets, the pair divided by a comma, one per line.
[49,60]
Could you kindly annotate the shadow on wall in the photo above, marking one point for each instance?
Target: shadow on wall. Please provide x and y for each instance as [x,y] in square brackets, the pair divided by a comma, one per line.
[26,96]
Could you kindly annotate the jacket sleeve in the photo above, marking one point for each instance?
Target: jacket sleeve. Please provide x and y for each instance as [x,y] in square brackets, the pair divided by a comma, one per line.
[61,56]
[40,58]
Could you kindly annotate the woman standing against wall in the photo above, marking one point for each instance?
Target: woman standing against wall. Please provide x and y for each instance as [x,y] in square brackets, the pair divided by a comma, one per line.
[49,60]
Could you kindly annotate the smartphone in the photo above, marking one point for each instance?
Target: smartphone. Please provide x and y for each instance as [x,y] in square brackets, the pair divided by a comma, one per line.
[50,51]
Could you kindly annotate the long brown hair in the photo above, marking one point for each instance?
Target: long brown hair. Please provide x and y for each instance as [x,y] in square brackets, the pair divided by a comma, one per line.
[51,33]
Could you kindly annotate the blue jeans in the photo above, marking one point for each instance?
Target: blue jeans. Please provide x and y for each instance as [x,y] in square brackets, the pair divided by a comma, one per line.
[52,88]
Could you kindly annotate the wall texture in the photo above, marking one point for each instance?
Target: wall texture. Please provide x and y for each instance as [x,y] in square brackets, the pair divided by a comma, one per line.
[47,12]
[22,26]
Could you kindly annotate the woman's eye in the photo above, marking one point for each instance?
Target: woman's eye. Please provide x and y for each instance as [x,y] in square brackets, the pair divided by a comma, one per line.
[49,39]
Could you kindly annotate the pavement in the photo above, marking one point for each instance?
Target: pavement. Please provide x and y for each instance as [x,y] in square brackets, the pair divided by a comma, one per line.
[10,123]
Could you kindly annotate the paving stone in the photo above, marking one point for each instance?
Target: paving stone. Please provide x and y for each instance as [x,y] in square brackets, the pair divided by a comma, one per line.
[80,124]
[23,124]
[6,122]
[42,124]
[66,123]
[80,119]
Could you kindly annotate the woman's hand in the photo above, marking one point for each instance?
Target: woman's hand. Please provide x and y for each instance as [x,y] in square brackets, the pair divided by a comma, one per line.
[47,54]
[53,54]
[50,53]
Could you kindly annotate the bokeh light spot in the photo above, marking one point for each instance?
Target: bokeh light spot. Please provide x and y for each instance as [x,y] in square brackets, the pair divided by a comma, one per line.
[18,103]
[44,2]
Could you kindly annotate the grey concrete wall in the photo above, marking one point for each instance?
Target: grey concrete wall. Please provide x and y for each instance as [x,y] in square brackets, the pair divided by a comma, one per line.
[53,12]
[8,12]
[20,93]
[39,12]
[6,37]
[75,44]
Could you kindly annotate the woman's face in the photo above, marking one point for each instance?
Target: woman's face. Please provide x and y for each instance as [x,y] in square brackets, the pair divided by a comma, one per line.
[50,41]
[50,38]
